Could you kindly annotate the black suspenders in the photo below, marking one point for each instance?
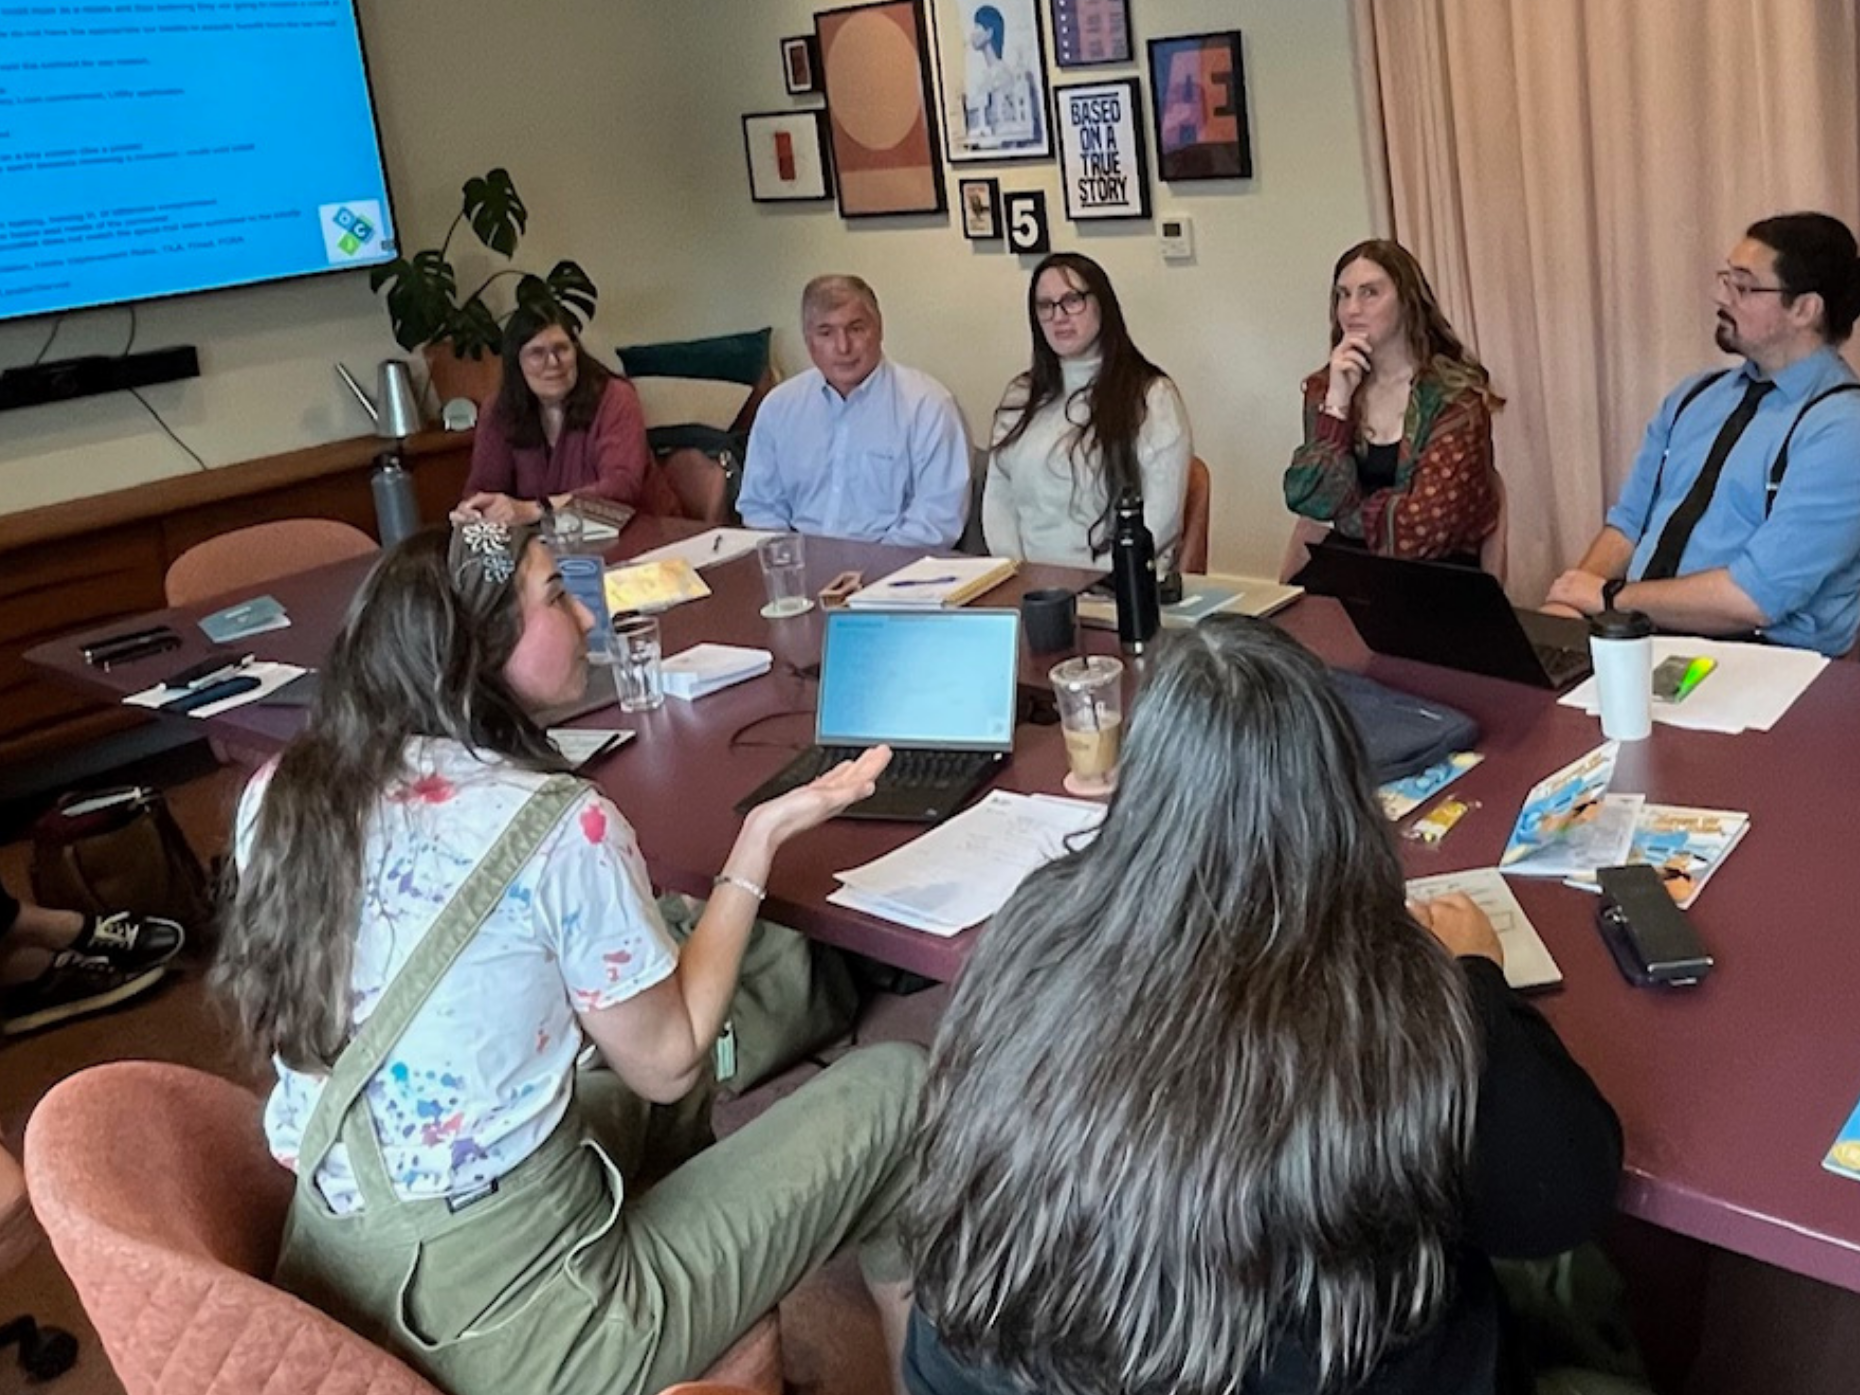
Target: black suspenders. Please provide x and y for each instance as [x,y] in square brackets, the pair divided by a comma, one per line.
[1778,467]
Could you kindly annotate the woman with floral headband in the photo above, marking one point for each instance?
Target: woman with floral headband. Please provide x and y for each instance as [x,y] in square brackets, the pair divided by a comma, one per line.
[432,920]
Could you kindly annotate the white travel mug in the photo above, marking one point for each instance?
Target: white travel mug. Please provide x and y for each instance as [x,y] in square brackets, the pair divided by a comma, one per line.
[1621,645]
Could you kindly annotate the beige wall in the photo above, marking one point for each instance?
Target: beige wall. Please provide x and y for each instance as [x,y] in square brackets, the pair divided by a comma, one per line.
[620,122]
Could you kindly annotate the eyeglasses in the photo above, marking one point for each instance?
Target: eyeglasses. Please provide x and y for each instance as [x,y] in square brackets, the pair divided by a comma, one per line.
[1742,286]
[538,354]
[1069,304]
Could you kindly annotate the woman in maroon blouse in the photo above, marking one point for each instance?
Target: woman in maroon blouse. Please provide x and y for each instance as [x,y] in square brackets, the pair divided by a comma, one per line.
[560,425]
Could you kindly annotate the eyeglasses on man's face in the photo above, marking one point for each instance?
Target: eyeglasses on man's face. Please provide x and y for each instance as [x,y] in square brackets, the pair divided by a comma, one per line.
[1739,284]
[1069,304]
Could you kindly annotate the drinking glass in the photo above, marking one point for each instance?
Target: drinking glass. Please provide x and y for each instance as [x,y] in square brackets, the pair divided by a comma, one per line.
[1091,716]
[784,574]
[636,663]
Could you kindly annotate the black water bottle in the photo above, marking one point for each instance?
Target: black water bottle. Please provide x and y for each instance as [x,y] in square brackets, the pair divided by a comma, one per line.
[1133,576]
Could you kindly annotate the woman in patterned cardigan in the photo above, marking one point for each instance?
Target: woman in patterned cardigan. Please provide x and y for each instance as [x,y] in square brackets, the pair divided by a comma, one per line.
[1397,452]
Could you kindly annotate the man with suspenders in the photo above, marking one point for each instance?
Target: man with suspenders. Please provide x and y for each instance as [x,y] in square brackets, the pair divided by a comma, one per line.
[1742,513]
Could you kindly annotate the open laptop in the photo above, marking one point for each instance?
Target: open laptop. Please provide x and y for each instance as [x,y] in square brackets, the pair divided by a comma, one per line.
[1456,617]
[937,686]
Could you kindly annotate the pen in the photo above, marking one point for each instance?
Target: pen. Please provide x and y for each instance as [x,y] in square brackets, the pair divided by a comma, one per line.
[214,692]
[127,654]
[211,671]
[716,543]
[925,581]
[133,640]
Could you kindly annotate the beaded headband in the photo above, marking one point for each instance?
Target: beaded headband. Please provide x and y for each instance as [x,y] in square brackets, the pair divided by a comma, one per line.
[483,552]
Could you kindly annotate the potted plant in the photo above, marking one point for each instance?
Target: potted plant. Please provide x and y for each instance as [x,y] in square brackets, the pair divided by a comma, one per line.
[461,337]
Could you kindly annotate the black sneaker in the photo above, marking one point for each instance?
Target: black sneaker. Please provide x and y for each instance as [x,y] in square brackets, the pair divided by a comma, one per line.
[75,984]
[133,942]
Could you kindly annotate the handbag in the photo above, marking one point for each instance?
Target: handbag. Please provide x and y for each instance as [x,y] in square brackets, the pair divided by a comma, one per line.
[119,850]
[1402,734]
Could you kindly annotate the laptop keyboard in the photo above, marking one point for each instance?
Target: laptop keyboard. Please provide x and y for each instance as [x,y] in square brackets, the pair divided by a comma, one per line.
[909,769]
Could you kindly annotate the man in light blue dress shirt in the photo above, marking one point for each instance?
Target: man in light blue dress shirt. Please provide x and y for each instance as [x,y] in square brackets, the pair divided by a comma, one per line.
[857,446]
[1758,548]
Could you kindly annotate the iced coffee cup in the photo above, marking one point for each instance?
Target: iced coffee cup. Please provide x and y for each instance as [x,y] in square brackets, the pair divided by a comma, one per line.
[1091,715]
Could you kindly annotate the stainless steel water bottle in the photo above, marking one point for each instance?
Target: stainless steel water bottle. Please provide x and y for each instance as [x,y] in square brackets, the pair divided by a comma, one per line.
[1133,576]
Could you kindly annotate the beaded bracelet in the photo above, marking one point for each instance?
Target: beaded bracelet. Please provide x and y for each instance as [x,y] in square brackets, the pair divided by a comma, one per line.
[741,883]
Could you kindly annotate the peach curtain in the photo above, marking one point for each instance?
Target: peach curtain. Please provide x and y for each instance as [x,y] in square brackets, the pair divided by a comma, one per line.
[1571,172]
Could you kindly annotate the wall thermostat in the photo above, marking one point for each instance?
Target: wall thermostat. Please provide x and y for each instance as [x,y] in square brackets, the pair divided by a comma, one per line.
[1178,237]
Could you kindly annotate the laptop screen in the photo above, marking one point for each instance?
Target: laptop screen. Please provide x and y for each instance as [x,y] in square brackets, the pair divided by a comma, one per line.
[940,678]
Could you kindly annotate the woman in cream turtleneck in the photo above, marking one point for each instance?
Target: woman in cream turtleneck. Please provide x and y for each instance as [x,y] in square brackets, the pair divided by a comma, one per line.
[1091,418]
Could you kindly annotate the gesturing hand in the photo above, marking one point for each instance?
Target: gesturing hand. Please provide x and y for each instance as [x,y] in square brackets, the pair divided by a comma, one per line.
[813,804]
[1460,925]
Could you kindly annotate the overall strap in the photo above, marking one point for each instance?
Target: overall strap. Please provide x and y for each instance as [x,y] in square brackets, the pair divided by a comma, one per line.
[471,905]
[1659,473]
[1780,466]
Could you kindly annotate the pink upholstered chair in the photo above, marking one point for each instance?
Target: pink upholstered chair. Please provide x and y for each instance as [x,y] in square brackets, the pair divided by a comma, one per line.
[44,1352]
[249,557]
[167,1227]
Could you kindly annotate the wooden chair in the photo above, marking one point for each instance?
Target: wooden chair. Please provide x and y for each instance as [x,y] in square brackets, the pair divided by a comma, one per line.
[699,482]
[249,557]
[1192,556]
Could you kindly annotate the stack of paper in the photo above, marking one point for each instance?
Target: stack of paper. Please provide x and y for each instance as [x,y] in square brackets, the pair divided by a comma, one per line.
[1569,824]
[1753,685]
[709,548]
[936,582]
[1527,962]
[643,588]
[963,871]
[704,668]
[267,679]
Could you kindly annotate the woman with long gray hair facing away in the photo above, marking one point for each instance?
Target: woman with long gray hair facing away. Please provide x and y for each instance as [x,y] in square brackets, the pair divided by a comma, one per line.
[433,920]
[1214,1111]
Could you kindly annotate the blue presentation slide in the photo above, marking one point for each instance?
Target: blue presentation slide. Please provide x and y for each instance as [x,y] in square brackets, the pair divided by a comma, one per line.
[149,149]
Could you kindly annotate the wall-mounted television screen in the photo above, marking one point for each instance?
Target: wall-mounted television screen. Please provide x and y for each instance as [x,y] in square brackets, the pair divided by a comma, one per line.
[155,148]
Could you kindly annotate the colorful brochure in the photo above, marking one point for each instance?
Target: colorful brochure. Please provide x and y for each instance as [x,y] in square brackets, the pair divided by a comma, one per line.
[1569,822]
[1401,798]
[253,617]
[1844,1156]
[1687,845]
[646,587]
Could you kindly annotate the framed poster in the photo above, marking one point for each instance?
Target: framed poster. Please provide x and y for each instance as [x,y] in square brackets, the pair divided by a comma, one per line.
[875,71]
[991,61]
[787,153]
[1101,161]
[1087,33]
[1025,212]
[800,65]
[1200,90]
[980,201]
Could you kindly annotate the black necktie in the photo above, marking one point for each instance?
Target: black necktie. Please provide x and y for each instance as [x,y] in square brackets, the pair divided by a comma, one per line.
[1678,531]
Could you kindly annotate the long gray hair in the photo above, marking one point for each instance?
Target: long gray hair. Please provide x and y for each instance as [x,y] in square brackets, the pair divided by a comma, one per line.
[421,653]
[1204,1084]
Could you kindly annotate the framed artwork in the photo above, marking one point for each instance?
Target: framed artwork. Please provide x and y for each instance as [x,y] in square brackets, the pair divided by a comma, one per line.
[800,65]
[787,153]
[980,201]
[1027,230]
[1101,161]
[1200,90]
[991,59]
[875,71]
[1087,33]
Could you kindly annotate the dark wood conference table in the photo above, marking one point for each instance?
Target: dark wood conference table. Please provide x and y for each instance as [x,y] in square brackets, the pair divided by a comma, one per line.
[1730,1092]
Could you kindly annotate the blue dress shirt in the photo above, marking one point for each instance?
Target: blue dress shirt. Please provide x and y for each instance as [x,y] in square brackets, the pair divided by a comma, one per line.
[1801,564]
[889,462]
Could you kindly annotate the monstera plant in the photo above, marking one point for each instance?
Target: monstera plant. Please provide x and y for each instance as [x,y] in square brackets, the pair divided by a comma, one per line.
[423,294]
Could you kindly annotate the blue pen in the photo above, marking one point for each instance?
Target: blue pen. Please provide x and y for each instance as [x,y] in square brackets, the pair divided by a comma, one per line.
[924,581]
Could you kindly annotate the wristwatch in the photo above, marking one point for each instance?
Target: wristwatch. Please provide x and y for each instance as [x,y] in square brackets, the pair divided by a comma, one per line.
[1611,589]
